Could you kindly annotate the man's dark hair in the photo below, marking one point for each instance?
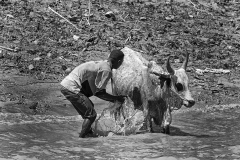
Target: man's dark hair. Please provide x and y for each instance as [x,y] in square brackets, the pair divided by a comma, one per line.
[116,55]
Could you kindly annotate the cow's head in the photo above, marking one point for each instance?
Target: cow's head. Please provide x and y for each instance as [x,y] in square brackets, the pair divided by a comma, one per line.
[181,82]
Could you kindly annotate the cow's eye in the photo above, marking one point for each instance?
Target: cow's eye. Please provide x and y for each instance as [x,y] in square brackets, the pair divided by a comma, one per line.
[179,86]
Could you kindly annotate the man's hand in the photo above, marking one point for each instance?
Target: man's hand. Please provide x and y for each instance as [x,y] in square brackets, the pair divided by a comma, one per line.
[121,98]
[108,97]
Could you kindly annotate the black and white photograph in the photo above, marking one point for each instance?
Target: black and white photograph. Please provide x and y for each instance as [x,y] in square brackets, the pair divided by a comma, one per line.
[119,80]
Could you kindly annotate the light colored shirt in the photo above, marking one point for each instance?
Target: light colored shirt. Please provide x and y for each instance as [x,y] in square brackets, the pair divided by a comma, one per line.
[98,73]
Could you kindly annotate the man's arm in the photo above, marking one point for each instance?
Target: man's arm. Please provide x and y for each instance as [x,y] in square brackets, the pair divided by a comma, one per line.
[102,94]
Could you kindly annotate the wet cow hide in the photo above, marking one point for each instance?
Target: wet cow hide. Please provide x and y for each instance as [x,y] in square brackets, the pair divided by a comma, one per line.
[147,93]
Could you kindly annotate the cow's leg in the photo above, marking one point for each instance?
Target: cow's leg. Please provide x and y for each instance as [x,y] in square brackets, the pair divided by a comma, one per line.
[151,125]
[167,129]
[147,126]
[166,122]
[148,120]
[148,123]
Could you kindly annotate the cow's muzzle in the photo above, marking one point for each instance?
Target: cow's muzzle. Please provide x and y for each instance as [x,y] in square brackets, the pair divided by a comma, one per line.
[188,103]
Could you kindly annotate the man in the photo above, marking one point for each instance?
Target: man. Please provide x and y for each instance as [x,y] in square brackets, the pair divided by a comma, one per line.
[90,79]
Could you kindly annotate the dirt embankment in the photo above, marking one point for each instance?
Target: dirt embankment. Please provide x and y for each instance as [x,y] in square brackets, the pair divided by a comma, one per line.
[42,47]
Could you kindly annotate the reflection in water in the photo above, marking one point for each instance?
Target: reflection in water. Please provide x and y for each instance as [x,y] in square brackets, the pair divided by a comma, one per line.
[194,135]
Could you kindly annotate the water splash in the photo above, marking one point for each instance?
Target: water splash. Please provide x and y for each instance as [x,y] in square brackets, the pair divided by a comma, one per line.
[120,119]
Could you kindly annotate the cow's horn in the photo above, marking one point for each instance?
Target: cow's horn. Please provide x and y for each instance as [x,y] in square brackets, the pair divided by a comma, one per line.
[169,68]
[184,66]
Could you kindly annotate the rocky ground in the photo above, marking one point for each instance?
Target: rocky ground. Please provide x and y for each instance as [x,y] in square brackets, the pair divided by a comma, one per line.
[42,40]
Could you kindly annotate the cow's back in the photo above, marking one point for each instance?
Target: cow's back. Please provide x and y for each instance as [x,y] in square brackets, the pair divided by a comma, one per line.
[129,78]
[132,78]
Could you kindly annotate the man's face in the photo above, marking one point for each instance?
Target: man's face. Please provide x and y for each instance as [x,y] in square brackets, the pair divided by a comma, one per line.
[116,64]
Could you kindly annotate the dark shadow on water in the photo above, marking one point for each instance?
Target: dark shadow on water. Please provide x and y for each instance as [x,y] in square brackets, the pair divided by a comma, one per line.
[174,131]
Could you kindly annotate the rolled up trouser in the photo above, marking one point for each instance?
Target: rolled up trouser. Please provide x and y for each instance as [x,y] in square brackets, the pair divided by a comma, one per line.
[81,103]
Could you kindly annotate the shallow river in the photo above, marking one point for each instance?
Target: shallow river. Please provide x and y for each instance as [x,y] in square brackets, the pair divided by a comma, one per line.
[194,135]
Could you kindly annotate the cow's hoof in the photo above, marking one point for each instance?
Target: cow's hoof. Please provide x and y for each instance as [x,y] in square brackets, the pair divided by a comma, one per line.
[166,129]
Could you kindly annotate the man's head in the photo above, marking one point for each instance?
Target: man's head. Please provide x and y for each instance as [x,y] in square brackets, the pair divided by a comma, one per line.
[116,58]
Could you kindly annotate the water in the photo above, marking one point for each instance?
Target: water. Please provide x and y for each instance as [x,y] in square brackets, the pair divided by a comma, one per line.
[194,135]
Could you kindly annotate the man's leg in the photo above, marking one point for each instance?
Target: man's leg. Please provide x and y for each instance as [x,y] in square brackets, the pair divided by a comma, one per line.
[84,107]
[89,115]
[86,127]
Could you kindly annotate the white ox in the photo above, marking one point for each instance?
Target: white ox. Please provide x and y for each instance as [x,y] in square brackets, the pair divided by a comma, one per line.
[154,92]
